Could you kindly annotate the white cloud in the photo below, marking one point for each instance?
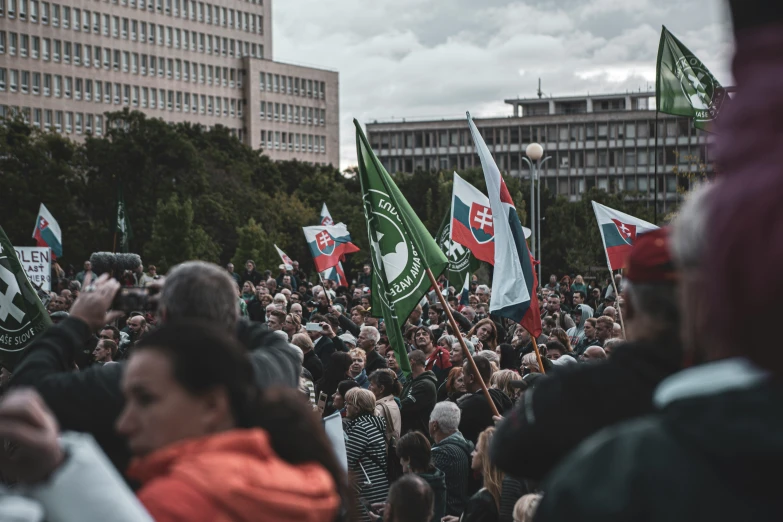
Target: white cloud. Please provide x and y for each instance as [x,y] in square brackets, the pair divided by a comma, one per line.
[435,59]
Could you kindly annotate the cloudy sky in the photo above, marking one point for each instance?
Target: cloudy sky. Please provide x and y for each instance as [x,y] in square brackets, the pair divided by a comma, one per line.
[438,58]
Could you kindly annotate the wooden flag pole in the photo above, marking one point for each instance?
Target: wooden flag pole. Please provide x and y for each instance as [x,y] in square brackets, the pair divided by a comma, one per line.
[538,353]
[617,299]
[461,340]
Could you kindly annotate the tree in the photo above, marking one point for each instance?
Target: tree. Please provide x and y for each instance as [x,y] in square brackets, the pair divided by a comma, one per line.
[254,244]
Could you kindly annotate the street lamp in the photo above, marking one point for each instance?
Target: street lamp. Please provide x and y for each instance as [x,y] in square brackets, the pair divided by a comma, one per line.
[534,152]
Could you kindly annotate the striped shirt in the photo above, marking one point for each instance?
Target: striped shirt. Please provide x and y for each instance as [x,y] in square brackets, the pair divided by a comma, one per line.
[365,445]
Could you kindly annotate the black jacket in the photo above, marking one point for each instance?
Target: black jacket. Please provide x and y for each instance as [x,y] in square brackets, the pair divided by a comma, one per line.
[324,348]
[565,408]
[313,364]
[91,400]
[375,361]
[713,452]
[253,276]
[417,401]
[452,455]
[349,326]
[476,415]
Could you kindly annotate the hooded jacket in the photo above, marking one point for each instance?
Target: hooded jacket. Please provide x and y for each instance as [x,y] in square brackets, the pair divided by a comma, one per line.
[452,455]
[437,481]
[476,414]
[713,452]
[232,476]
[418,399]
[577,333]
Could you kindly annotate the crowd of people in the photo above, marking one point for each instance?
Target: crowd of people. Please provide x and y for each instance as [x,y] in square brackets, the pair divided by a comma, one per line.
[656,397]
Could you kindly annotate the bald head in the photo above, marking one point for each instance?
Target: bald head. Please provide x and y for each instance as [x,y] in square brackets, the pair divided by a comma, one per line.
[594,354]
[610,311]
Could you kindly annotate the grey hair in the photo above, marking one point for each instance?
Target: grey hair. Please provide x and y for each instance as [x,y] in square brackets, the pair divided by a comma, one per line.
[372,333]
[688,238]
[447,415]
[611,343]
[468,343]
[449,339]
[483,288]
[200,290]
[489,355]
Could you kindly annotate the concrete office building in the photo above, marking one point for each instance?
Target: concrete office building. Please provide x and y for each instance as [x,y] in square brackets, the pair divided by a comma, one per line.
[604,141]
[64,63]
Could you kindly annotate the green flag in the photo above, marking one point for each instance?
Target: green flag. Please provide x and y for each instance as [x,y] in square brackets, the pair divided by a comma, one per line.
[22,315]
[684,86]
[402,248]
[122,228]
[461,261]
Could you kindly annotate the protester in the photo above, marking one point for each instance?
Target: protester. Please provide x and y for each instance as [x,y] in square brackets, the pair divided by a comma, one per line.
[387,388]
[451,453]
[418,395]
[336,372]
[476,414]
[367,341]
[414,452]
[437,358]
[410,500]
[485,504]
[356,370]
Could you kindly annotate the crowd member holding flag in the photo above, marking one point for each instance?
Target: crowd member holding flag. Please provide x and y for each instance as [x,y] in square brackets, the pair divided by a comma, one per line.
[47,232]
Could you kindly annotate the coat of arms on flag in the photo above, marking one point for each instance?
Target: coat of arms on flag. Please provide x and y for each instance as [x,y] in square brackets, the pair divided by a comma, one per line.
[618,232]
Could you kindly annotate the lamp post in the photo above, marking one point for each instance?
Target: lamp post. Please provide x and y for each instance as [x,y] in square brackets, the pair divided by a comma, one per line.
[534,152]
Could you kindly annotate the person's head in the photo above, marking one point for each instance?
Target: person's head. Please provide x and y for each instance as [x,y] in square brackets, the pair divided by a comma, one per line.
[493,477]
[502,380]
[384,382]
[456,356]
[410,500]
[250,265]
[414,451]
[292,324]
[367,268]
[486,331]
[296,309]
[105,351]
[111,333]
[275,320]
[303,341]
[391,360]
[280,302]
[185,380]
[590,328]
[554,350]
[368,338]
[444,420]
[199,291]
[87,266]
[137,325]
[521,337]
[560,335]
[359,401]
[423,339]
[248,288]
[415,315]
[271,284]
[433,314]
[525,508]
[603,328]
[455,382]
[230,268]
[553,279]
[579,298]
[593,354]
[472,383]
[596,294]
[269,307]
[357,314]
[418,361]
[338,398]
[617,331]
[473,301]
[446,340]
[553,303]
[610,312]
[358,358]
[610,345]
[482,293]
[530,363]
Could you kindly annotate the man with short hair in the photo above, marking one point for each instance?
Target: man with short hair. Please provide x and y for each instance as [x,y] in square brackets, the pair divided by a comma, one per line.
[553,307]
[611,344]
[105,352]
[476,413]
[593,354]
[451,454]
[87,271]
[414,319]
[365,278]
[234,275]
[603,328]
[410,500]
[111,333]
[438,358]
[610,312]
[324,347]
[419,395]
[367,341]
[276,320]
[483,293]
[578,297]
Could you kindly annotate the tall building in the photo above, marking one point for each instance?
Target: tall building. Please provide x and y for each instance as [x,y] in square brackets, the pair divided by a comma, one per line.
[604,141]
[64,64]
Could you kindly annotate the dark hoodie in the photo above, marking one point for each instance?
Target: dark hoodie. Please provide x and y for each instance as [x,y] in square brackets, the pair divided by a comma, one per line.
[417,400]
[714,452]
[437,481]
[477,415]
[452,455]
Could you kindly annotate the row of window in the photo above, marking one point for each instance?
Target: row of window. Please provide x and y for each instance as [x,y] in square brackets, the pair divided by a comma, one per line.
[291,85]
[99,91]
[292,113]
[84,19]
[523,134]
[293,142]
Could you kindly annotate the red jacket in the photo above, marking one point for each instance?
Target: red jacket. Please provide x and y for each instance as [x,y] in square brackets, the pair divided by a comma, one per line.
[232,476]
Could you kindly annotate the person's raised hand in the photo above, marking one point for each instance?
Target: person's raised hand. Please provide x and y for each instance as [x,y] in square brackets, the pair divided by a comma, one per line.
[27,422]
[94,301]
[327,330]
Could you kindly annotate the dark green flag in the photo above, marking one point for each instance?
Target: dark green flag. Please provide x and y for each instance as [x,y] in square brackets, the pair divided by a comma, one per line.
[22,315]
[684,86]
[402,248]
[122,228]
[461,261]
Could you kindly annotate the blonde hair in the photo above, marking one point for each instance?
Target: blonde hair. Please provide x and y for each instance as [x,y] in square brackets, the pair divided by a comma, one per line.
[362,399]
[502,381]
[530,361]
[493,477]
[526,506]
[303,341]
[358,352]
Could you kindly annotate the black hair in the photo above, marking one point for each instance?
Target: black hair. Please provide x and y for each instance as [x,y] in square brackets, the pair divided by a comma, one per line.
[508,357]
[482,363]
[387,379]
[346,385]
[556,345]
[335,372]
[581,294]
[415,447]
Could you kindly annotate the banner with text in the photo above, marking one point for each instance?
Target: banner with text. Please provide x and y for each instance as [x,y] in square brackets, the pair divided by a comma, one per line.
[37,264]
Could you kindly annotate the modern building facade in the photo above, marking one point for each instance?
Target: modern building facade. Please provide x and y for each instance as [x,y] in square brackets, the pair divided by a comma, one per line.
[64,63]
[604,141]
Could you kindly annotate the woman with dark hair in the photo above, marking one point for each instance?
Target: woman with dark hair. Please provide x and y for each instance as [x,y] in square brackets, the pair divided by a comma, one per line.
[386,388]
[487,334]
[415,452]
[560,335]
[508,357]
[337,371]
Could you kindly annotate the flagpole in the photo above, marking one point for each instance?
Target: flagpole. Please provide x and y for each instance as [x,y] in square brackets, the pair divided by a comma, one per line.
[538,353]
[655,177]
[462,344]
[114,248]
[609,265]
[617,298]
[321,277]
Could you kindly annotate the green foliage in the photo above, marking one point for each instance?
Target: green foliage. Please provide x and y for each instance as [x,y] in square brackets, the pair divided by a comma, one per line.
[197,193]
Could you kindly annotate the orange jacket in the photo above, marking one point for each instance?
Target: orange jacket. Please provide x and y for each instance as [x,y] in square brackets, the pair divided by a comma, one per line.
[232,476]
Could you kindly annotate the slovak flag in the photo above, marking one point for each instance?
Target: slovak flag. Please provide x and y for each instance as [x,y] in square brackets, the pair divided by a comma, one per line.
[618,232]
[336,273]
[514,282]
[47,232]
[471,220]
[289,265]
[328,244]
[326,217]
